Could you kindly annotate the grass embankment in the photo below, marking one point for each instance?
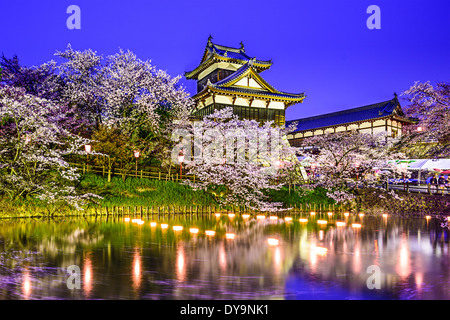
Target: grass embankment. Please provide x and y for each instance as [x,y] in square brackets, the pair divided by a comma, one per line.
[150,192]
[144,192]
[136,192]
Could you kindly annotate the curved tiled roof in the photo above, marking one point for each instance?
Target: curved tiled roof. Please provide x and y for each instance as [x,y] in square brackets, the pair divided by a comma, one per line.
[214,52]
[370,112]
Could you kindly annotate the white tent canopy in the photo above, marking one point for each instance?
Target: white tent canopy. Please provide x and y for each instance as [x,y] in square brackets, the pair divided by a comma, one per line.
[425,165]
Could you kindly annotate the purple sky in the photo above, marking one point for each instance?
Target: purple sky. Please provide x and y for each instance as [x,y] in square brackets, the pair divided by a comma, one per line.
[322,48]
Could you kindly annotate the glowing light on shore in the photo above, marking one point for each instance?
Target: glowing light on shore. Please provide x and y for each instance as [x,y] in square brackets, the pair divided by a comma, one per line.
[330,213]
[193,230]
[273,242]
[340,223]
[448,218]
[385,215]
[217,215]
[361,215]
[322,221]
[164,225]
[312,213]
[346,214]
[210,232]
[231,215]
[356,225]
[303,220]
[127,219]
[260,217]
[153,224]
[177,228]
[288,219]
[230,236]
[245,216]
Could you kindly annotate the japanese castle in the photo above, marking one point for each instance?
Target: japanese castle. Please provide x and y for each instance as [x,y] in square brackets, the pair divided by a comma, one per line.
[229,77]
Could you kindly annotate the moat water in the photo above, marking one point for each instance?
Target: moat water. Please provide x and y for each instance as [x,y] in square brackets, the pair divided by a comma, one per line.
[252,257]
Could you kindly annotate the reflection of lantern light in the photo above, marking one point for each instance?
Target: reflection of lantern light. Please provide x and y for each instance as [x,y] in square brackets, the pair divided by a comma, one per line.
[245,216]
[303,220]
[356,225]
[127,219]
[340,224]
[288,219]
[260,216]
[181,265]
[136,269]
[385,215]
[448,218]
[135,220]
[428,217]
[26,284]
[153,224]
[140,222]
[346,214]
[361,215]
[231,215]
[230,236]
[177,228]
[273,241]
[320,250]
[273,218]
[322,221]
[312,213]
[217,215]
[210,232]
[87,148]
[87,281]
[330,213]
[164,225]
[193,230]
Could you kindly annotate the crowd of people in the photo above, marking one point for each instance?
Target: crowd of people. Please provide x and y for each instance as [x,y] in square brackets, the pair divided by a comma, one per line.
[440,182]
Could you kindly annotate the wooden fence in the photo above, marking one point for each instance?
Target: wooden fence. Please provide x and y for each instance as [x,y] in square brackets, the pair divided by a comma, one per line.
[141,211]
[150,173]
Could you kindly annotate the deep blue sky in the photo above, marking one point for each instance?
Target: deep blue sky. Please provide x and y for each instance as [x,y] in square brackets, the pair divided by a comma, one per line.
[322,48]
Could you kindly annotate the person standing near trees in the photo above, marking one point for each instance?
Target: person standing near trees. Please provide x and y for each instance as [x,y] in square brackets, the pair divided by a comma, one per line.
[434,182]
[442,182]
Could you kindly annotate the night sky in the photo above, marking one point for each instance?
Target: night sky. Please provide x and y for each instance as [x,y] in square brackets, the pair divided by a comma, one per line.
[322,48]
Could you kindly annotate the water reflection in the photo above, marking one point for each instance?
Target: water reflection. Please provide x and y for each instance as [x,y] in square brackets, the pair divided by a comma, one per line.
[137,267]
[26,284]
[313,256]
[87,275]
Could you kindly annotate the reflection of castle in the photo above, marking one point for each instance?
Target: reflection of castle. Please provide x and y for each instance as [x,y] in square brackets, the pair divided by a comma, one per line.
[228,77]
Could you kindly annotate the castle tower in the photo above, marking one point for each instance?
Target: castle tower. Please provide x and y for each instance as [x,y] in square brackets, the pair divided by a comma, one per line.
[228,77]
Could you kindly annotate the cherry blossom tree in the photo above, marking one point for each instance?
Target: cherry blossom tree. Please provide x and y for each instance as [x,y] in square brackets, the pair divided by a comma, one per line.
[341,158]
[431,106]
[127,94]
[32,149]
[38,81]
[235,160]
